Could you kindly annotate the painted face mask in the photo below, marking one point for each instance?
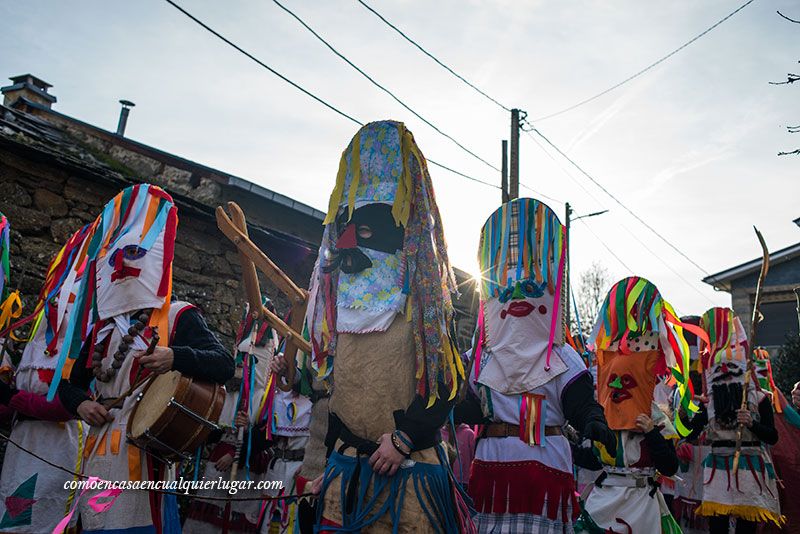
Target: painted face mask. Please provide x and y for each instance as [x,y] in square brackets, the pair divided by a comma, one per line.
[521,256]
[625,385]
[383,254]
[637,338]
[120,263]
[724,358]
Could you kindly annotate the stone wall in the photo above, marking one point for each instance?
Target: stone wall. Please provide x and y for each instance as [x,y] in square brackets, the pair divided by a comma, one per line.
[45,204]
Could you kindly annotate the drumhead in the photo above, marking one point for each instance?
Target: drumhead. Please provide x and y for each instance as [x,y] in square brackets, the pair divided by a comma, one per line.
[154,402]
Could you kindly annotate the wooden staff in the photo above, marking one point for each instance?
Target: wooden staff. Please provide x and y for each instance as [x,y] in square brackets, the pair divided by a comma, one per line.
[252,258]
[755,318]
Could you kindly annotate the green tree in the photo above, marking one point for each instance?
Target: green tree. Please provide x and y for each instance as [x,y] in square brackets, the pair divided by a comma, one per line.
[786,365]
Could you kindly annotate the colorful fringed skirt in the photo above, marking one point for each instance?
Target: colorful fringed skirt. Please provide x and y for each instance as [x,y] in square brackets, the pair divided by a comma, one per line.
[525,496]
[751,493]
[418,498]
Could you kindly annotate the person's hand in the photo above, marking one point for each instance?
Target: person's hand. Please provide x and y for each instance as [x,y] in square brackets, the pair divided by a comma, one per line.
[644,423]
[159,362]
[94,413]
[224,463]
[316,485]
[796,395]
[278,364]
[242,421]
[386,460]
[597,431]
[744,417]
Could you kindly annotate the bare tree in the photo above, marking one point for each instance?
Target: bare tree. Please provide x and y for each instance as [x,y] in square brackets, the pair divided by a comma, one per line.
[790,79]
[592,288]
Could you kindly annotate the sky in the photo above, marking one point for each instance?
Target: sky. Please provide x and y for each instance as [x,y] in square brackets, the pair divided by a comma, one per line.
[691,146]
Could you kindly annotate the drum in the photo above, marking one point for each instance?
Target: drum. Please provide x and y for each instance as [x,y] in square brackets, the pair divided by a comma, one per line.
[175,414]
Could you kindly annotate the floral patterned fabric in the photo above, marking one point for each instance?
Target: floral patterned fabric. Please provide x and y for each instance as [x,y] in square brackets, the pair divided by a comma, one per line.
[381,165]
[378,288]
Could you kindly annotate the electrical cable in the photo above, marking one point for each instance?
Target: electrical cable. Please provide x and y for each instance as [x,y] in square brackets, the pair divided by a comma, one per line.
[307,92]
[644,70]
[419,47]
[615,199]
[381,87]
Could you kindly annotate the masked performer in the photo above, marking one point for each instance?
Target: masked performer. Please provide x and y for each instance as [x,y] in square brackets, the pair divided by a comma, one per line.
[785,453]
[124,293]
[751,494]
[255,346]
[289,417]
[32,494]
[638,339]
[526,382]
[381,317]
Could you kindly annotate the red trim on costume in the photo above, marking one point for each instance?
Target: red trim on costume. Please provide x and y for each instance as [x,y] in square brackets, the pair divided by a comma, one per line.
[169,250]
[523,488]
[328,523]
[174,327]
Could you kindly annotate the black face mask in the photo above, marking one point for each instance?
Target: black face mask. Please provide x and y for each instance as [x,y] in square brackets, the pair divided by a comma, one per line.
[727,400]
[372,226]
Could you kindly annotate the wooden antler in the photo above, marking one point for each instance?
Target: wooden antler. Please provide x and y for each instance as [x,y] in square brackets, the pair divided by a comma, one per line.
[252,258]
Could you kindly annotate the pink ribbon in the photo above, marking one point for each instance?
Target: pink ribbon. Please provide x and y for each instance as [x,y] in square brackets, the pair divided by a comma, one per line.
[96,506]
[557,303]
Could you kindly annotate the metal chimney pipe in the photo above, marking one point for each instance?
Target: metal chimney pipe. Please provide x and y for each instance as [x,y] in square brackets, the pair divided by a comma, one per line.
[123,115]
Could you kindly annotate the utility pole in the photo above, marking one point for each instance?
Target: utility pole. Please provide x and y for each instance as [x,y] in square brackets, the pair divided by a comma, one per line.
[513,189]
[567,308]
[504,173]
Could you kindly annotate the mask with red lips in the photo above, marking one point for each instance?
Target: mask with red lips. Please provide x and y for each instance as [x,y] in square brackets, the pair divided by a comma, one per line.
[520,257]
[625,386]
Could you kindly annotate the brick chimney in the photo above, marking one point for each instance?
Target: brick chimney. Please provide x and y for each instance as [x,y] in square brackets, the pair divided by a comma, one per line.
[29,87]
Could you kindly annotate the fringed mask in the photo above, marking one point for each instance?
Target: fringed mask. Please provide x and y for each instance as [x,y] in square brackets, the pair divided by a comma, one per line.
[638,337]
[521,257]
[724,358]
[120,263]
[134,268]
[383,253]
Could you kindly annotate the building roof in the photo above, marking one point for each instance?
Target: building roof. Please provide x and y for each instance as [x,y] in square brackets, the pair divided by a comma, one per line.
[181,163]
[722,280]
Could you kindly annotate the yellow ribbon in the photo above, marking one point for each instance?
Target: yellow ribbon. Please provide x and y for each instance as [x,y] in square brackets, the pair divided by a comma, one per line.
[10,309]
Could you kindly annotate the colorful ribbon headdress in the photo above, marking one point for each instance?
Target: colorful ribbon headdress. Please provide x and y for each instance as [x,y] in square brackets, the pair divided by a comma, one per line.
[634,306]
[725,337]
[144,210]
[523,239]
[382,163]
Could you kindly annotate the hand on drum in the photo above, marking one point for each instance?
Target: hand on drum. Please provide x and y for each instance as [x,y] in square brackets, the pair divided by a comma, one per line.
[94,413]
[159,362]
[386,460]
[224,463]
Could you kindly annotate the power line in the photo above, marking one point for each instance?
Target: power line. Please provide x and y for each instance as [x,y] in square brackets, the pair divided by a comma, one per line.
[252,57]
[307,92]
[615,199]
[381,87]
[606,246]
[647,68]
[651,251]
[410,40]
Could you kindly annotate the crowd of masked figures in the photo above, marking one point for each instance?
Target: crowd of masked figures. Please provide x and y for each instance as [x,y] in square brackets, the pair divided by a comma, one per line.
[357,407]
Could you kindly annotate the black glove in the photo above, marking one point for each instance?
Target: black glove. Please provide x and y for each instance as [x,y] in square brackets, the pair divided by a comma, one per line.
[6,392]
[597,431]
